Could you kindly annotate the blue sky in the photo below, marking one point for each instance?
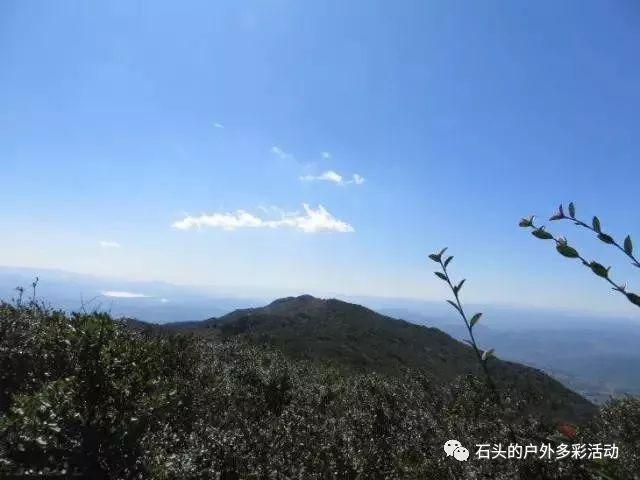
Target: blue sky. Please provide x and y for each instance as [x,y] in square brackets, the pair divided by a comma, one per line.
[121,121]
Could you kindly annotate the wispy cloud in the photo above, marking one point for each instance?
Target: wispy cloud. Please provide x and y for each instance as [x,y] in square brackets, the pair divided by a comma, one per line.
[122,294]
[333,177]
[311,221]
[218,125]
[281,154]
[328,176]
[109,244]
[326,155]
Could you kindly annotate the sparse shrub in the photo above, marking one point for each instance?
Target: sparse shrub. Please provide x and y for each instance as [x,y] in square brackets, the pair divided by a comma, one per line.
[90,396]
[619,422]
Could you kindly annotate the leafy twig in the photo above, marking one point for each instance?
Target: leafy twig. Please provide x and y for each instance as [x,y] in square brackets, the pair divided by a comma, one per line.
[482,356]
[564,249]
[595,227]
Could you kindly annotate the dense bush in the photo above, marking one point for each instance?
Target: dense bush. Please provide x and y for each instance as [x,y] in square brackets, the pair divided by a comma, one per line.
[89,396]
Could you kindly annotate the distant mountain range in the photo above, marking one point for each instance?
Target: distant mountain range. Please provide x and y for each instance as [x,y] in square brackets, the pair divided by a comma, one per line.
[157,302]
[594,355]
[355,338]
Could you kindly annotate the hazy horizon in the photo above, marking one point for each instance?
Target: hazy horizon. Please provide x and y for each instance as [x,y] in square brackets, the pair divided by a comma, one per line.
[54,284]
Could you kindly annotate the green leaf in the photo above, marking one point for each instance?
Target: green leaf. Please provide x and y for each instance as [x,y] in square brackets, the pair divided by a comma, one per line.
[628,246]
[606,238]
[524,223]
[446,262]
[487,354]
[441,276]
[457,288]
[596,224]
[453,305]
[599,269]
[572,210]
[633,298]
[527,222]
[542,234]
[475,319]
[567,251]
[437,257]
[559,215]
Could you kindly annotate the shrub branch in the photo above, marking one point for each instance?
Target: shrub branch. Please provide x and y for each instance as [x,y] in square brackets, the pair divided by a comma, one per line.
[482,356]
[563,247]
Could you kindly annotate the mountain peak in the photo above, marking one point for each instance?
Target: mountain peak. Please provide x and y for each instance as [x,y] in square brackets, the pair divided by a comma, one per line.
[311,306]
[293,306]
[306,298]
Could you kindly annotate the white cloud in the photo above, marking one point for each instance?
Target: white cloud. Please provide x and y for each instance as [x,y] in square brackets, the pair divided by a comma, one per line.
[272,210]
[334,177]
[328,176]
[320,220]
[326,155]
[225,221]
[331,176]
[120,294]
[218,125]
[281,154]
[311,221]
[109,244]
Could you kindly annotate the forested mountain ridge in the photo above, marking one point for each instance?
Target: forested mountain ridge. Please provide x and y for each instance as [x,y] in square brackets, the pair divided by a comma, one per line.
[355,338]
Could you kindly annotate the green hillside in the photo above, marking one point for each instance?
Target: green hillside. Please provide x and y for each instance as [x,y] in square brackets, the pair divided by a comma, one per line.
[357,339]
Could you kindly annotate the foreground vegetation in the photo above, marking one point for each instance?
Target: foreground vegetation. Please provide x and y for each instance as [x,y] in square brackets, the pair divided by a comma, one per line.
[86,396]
